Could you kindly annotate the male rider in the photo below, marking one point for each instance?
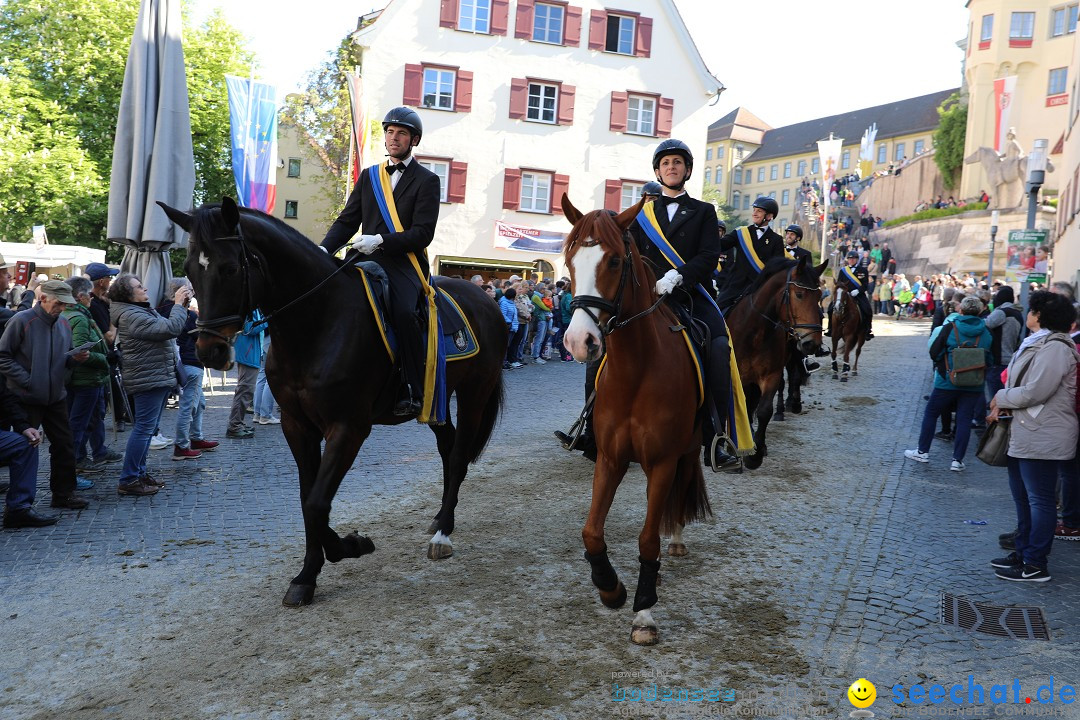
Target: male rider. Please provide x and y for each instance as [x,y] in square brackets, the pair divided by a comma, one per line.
[854,278]
[747,250]
[401,253]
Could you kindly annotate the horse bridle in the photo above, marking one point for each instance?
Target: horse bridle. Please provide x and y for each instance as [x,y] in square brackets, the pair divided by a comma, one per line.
[790,327]
[587,303]
[208,327]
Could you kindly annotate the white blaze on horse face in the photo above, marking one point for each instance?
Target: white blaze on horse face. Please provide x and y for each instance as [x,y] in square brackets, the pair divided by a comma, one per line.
[586,263]
[839,298]
[204,261]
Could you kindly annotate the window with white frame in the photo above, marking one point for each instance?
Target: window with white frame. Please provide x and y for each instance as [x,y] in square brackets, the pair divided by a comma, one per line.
[442,169]
[708,154]
[987,31]
[719,175]
[641,115]
[814,165]
[474,16]
[787,169]
[631,193]
[1022,26]
[772,172]
[761,174]
[1063,20]
[920,145]
[620,34]
[748,176]
[735,199]
[1058,81]
[438,89]
[898,154]
[719,152]
[535,192]
[746,202]
[543,102]
[737,180]
[708,176]
[882,153]
[845,160]
[801,168]
[785,197]
[548,23]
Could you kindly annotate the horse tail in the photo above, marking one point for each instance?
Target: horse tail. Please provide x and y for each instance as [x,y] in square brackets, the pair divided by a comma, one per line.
[688,500]
[492,408]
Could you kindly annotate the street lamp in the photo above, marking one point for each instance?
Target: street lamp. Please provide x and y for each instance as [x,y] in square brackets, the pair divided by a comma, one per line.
[1036,177]
[993,237]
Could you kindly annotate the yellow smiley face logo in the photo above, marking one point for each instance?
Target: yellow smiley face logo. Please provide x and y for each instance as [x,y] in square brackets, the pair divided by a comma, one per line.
[862,693]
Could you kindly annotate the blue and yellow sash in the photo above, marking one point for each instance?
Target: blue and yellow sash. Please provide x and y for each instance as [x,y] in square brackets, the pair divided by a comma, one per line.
[746,243]
[434,407]
[738,421]
[850,276]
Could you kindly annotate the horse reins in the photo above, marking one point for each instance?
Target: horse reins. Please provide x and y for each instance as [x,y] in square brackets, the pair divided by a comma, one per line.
[790,327]
[587,303]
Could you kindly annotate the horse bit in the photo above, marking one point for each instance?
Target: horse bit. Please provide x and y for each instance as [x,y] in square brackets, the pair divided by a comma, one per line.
[790,327]
[587,303]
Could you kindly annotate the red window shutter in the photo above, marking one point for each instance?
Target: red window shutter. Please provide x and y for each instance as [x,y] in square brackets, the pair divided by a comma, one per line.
[414,85]
[643,41]
[523,21]
[664,113]
[463,91]
[572,33]
[500,16]
[612,195]
[519,98]
[448,14]
[597,29]
[560,185]
[511,189]
[455,191]
[566,104]
[619,102]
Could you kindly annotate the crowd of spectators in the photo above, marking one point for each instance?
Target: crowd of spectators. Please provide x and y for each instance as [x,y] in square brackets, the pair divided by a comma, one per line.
[536,314]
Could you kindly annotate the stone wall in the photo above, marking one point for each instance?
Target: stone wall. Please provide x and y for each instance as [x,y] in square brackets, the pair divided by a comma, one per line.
[894,196]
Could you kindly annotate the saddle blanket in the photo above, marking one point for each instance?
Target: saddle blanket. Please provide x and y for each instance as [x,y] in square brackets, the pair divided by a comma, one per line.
[458,339]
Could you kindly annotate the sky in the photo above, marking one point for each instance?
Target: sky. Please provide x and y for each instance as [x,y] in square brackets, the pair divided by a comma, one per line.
[784,60]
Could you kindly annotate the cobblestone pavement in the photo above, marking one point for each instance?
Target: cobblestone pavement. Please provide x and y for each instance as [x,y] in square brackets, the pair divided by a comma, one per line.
[825,566]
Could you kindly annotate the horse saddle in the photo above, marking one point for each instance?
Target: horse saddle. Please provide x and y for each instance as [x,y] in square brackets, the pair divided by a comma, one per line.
[457,337]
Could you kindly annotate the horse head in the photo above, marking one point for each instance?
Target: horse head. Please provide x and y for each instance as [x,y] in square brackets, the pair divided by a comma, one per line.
[600,258]
[225,274]
[804,301]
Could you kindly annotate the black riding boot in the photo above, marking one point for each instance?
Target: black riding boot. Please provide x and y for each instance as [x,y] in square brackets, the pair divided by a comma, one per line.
[718,382]
[586,442]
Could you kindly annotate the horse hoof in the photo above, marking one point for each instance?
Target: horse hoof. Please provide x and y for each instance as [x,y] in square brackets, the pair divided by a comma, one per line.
[298,595]
[677,549]
[357,545]
[439,551]
[797,408]
[854,373]
[644,635]
[433,527]
[843,379]
[835,376]
[778,416]
[614,599]
[753,462]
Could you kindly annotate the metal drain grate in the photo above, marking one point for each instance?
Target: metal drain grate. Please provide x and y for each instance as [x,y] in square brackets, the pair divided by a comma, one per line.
[1019,622]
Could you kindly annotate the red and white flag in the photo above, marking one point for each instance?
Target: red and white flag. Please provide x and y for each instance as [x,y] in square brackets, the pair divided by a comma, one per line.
[1004,99]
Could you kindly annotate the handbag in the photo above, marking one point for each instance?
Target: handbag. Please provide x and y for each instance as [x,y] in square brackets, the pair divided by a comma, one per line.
[993,446]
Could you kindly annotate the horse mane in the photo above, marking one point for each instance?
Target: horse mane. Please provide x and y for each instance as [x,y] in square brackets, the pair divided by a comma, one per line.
[600,226]
[206,215]
[774,265]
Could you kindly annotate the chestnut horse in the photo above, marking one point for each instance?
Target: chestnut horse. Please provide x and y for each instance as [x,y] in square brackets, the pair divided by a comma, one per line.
[781,307]
[328,367]
[647,400]
[847,325]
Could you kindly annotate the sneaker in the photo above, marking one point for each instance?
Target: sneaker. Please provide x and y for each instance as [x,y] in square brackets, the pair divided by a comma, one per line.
[89,467]
[257,419]
[110,457]
[917,456]
[947,436]
[82,483]
[136,488]
[71,502]
[268,420]
[1064,532]
[506,366]
[957,466]
[204,445]
[160,442]
[1013,559]
[1023,573]
[241,433]
[150,480]
[540,361]
[516,365]
[180,453]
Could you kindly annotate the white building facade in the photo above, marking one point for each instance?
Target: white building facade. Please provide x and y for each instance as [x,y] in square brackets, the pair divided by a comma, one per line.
[523,101]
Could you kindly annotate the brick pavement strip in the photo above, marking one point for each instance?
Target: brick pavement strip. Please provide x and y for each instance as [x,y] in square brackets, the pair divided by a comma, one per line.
[823,567]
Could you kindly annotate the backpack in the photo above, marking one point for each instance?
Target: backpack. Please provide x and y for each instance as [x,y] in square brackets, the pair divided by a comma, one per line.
[967,363]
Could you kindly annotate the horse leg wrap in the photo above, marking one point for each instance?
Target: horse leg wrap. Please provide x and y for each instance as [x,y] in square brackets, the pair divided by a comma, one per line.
[645,597]
[603,575]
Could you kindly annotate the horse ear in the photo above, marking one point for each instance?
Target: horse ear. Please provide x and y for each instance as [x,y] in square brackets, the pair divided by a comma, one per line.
[821,268]
[181,218]
[627,216]
[230,214]
[572,213]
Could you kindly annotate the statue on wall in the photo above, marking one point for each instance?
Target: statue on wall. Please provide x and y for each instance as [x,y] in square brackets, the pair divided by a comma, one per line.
[1006,172]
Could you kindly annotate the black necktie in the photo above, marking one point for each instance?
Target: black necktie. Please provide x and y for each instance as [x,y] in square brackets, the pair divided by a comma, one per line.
[393,168]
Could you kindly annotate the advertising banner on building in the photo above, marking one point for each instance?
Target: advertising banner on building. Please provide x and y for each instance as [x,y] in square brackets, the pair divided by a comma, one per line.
[527,239]
[1028,256]
[1004,99]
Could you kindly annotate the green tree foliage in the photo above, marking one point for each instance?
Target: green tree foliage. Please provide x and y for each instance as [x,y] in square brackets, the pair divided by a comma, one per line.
[727,213]
[321,113]
[61,74]
[949,139]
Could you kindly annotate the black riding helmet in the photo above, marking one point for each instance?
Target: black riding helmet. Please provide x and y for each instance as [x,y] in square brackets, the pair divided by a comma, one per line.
[794,229]
[721,224]
[853,253]
[405,117]
[673,147]
[768,205]
[652,188]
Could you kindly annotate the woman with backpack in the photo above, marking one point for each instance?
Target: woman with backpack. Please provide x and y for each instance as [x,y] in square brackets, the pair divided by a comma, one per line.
[1041,395]
[959,369]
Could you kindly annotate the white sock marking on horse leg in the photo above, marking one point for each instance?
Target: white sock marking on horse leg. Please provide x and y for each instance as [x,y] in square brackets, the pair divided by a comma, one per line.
[440,539]
[676,535]
[644,619]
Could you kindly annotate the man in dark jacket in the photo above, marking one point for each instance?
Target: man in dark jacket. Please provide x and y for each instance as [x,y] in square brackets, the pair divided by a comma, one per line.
[748,249]
[400,251]
[40,339]
[19,451]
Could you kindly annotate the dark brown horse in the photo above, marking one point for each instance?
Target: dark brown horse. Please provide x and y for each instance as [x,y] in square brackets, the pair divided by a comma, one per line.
[328,368]
[847,326]
[781,307]
[647,398]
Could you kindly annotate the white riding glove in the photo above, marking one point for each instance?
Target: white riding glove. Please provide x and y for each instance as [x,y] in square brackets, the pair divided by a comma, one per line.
[671,280]
[367,244]
[854,293]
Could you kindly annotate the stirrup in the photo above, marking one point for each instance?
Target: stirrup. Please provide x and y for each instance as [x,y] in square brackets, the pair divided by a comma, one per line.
[808,361]
[570,439]
[726,441]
